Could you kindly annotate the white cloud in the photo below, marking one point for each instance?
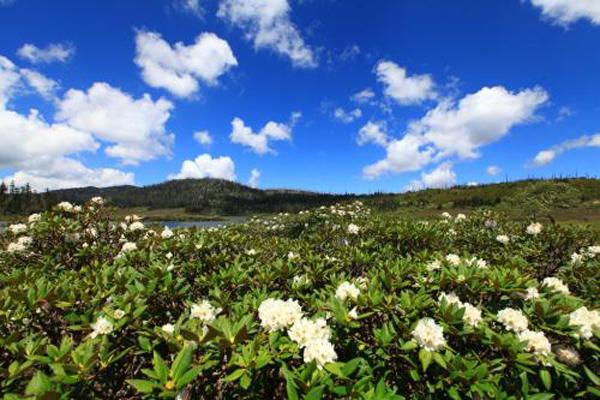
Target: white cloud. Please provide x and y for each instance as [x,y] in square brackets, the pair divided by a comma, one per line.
[205,166]
[9,80]
[493,170]
[203,137]
[45,86]
[350,52]
[190,6]
[373,132]
[267,23]
[259,142]
[178,68]
[547,156]
[64,172]
[136,127]
[254,178]
[364,96]
[565,12]
[403,88]
[440,178]
[54,52]
[347,116]
[459,129]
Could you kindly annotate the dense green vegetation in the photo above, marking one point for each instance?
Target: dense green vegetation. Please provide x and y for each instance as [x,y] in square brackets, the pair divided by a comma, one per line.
[578,199]
[336,302]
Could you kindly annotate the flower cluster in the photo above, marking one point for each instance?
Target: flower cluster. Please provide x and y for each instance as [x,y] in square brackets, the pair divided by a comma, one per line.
[429,335]
[586,321]
[513,320]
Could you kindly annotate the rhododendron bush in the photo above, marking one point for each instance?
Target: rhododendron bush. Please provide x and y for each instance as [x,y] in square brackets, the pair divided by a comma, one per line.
[335,302]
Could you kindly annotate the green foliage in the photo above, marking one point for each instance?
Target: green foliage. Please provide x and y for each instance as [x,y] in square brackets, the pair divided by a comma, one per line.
[85,314]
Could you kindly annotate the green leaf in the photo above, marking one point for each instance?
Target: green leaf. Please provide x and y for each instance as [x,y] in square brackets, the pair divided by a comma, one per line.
[245,380]
[39,384]
[234,376]
[440,360]
[160,368]
[335,369]
[425,357]
[593,377]
[142,386]
[546,378]
[181,363]
[188,377]
[315,393]
[408,346]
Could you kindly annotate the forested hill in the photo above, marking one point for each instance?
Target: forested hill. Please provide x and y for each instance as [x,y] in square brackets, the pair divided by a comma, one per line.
[205,196]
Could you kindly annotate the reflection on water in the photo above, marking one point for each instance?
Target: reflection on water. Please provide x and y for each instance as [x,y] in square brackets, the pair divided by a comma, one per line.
[202,224]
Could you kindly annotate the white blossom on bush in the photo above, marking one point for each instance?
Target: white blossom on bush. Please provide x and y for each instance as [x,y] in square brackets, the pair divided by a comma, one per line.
[429,335]
[102,326]
[513,320]
[568,355]
[450,298]
[275,314]
[556,285]
[304,331]
[453,259]
[65,206]
[531,293]
[166,233]
[321,352]
[168,328]
[34,218]
[347,290]
[587,321]
[504,239]
[433,265]
[204,311]
[137,226]
[534,229]
[353,229]
[17,229]
[472,315]
[535,342]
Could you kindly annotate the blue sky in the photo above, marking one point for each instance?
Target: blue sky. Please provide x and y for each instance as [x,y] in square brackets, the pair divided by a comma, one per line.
[336,96]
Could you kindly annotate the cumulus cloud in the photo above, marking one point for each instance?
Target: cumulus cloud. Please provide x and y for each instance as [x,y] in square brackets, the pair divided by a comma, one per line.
[268,25]
[203,137]
[565,12]
[54,52]
[189,6]
[440,178]
[45,86]
[205,166]
[346,116]
[180,67]
[254,178]
[459,129]
[364,96]
[373,132]
[64,172]
[9,80]
[493,170]
[136,127]
[259,142]
[405,89]
[545,157]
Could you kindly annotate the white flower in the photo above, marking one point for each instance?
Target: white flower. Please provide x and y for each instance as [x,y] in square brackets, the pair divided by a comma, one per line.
[347,290]
[362,282]
[168,328]
[166,233]
[128,246]
[593,251]
[204,311]
[490,224]
[119,314]
[97,200]
[102,326]
[568,356]
[77,209]
[353,229]
[504,239]
[300,280]
[532,293]
[20,245]
[429,335]
[305,331]
[453,259]
[292,256]
[320,351]
[17,229]
[251,252]
[450,298]
[277,314]
[33,218]
[65,206]
[513,320]
[132,218]
[576,257]
[535,342]
[587,321]
[534,229]
[472,315]
[433,265]
[556,284]
[446,215]
[460,217]
[353,314]
[137,226]
[482,264]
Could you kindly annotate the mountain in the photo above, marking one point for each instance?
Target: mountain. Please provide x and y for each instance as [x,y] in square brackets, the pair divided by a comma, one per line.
[205,196]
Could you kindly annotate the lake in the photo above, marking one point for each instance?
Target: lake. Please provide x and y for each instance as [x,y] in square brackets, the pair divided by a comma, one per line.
[182,224]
